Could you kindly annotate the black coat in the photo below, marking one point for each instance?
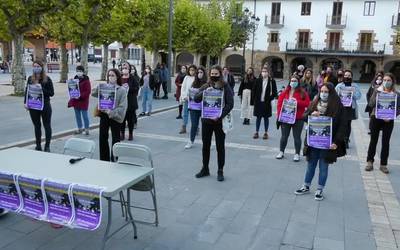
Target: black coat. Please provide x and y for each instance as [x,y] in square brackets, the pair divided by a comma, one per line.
[133,83]
[246,84]
[231,81]
[152,82]
[263,108]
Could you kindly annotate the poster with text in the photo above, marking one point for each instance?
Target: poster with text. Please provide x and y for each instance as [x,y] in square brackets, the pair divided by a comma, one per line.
[9,195]
[33,200]
[192,104]
[212,103]
[346,96]
[34,97]
[386,105]
[107,93]
[288,111]
[59,205]
[73,89]
[319,134]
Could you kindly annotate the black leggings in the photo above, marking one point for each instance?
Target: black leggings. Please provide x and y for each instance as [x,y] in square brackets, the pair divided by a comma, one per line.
[45,114]
[131,119]
[206,133]
[105,124]
[376,126]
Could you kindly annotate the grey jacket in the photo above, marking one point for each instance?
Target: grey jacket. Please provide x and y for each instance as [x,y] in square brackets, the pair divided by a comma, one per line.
[121,104]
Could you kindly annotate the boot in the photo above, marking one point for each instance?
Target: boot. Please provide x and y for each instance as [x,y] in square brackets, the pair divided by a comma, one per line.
[203,172]
[122,136]
[183,130]
[38,147]
[370,166]
[47,148]
[244,121]
[220,175]
[130,138]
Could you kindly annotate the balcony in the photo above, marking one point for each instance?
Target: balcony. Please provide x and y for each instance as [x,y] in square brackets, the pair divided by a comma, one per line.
[274,22]
[336,22]
[352,49]
[396,21]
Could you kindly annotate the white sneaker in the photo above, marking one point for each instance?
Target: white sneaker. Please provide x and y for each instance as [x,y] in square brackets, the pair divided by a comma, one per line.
[189,145]
[296,158]
[279,155]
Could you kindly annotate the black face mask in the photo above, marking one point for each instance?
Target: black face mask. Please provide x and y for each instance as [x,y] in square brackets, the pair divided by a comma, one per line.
[340,75]
[214,78]
[347,80]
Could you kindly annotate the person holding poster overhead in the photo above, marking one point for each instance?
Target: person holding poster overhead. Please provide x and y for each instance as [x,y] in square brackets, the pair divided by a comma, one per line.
[292,103]
[80,102]
[349,92]
[39,89]
[384,104]
[326,106]
[217,101]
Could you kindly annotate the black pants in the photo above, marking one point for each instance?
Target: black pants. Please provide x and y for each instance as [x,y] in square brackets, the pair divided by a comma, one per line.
[105,124]
[45,114]
[131,119]
[285,132]
[165,88]
[387,128]
[156,92]
[206,133]
[348,130]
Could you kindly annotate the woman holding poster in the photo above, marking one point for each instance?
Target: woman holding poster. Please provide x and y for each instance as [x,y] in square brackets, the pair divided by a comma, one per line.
[39,89]
[326,106]
[384,104]
[292,103]
[217,101]
[80,102]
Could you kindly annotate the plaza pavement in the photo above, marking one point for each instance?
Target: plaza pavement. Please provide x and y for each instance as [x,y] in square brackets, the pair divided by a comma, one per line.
[254,208]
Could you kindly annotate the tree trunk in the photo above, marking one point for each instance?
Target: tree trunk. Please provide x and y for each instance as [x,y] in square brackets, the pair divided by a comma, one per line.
[18,69]
[155,58]
[64,62]
[104,63]
[84,54]
[123,52]
[143,59]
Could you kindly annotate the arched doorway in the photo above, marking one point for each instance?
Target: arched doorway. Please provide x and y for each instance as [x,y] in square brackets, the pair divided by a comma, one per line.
[235,63]
[394,68]
[184,58]
[335,63]
[300,61]
[203,61]
[363,71]
[275,64]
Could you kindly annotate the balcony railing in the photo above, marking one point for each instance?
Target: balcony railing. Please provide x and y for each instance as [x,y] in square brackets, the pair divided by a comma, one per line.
[350,48]
[396,21]
[275,22]
[336,22]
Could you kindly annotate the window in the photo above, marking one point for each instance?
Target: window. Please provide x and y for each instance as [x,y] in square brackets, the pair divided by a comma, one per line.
[303,42]
[274,37]
[369,8]
[398,39]
[275,13]
[337,13]
[134,53]
[366,41]
[334,40]
[306,8]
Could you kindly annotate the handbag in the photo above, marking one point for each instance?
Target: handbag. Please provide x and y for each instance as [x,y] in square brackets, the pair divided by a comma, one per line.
[227,123]
[96,112]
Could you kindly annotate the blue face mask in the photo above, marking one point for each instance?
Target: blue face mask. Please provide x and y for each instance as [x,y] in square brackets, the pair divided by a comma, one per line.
[294,84]
[387,84]
[324,96]
[37,70]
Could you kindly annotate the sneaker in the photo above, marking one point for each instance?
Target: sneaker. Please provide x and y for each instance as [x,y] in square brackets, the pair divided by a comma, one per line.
[203,172]
[318,195]
[179,117]
[148,113]
[164,97]
[296,158]
[189,145]
[142,114]
[130,138]
[303,190]
[384,169]
[220,176]
[280,155]
[370,166]
[86,131]
[3,212]
[78,131]
[265,136]
[255,136]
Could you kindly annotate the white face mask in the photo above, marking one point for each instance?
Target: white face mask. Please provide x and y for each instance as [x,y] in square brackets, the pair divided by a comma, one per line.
[147,71]
[79,74]
[200,75]
[125,71]
[264,74]
[324,96]
[112,79]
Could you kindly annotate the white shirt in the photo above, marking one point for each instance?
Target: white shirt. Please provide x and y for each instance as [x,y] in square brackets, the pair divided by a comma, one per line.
[186,85]
[264,88]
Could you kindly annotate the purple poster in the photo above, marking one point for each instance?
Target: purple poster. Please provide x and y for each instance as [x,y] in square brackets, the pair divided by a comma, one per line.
[192,104]
[34,97]
[212,103]
[32,197]
[87,205]
[58,201]
[346,96]
[386,104]
[9,196]
[73,88]
[107,94]
[319,133]
[288,111]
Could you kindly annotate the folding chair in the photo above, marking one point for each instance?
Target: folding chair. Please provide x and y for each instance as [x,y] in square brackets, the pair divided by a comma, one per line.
[81,146]
[127,153]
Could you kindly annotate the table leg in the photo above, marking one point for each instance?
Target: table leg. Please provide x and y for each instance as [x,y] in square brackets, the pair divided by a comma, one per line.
[128,208]
[109,216]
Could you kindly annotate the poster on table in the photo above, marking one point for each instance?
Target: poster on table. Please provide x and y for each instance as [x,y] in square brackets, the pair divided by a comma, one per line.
[33,200]
[346,96]
[319,134]
[9,195]
[73,89]
[212,103]
[34,97]
[192,104]
[87,206]
[386,105]
[288,111]
[107,93]
[59,205]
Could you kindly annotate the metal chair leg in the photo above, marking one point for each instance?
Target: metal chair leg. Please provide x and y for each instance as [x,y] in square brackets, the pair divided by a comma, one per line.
[122,199]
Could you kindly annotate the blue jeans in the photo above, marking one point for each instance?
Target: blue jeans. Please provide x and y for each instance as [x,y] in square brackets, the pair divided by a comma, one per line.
[147,99]
[315,156]
[185,113]
[258,123]
[194,119]
[79,114]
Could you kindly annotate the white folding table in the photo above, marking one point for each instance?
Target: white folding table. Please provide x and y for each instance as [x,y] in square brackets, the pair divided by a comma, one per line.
[114,177]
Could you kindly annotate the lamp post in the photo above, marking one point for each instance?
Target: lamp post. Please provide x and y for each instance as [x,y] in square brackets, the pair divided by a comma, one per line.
[170,44]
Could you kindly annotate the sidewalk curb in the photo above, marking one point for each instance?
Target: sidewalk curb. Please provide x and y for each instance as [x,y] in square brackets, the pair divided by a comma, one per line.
[68,132]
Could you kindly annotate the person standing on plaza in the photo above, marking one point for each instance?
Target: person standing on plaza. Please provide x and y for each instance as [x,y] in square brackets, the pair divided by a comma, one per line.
[309,84]
[195,108]
[184,98]
[245,95]
[164,75]
[263,93]
[229,78]
[327,104]
[148,84]
[293,92]
[81,104]
[157,79]
[210,126]
[386,125]
[178,82]
[351,112]
[376,82]
[330,76]
[131,83]
[111,118]
[113,63]
[39,78]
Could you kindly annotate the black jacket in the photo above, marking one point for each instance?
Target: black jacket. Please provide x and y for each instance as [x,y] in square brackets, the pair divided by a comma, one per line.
[231,81]
[152,82]
[47,88]
[246,84]
[333,79]
[133,83]
[263,109]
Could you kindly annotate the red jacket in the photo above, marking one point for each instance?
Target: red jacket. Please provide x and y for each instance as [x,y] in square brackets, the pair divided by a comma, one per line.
[83,101]
[302,104]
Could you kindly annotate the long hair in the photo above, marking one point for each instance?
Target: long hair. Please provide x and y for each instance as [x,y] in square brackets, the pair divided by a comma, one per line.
[308,81]
[118,74]
[147,67]
[393,88]
[199,82]
[299,88]
[192,67]
[216,67]
[135,73]
[42,75]
[334,102]
[249,76]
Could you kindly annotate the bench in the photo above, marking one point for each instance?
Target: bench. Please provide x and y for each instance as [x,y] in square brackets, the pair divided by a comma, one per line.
[53,66]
